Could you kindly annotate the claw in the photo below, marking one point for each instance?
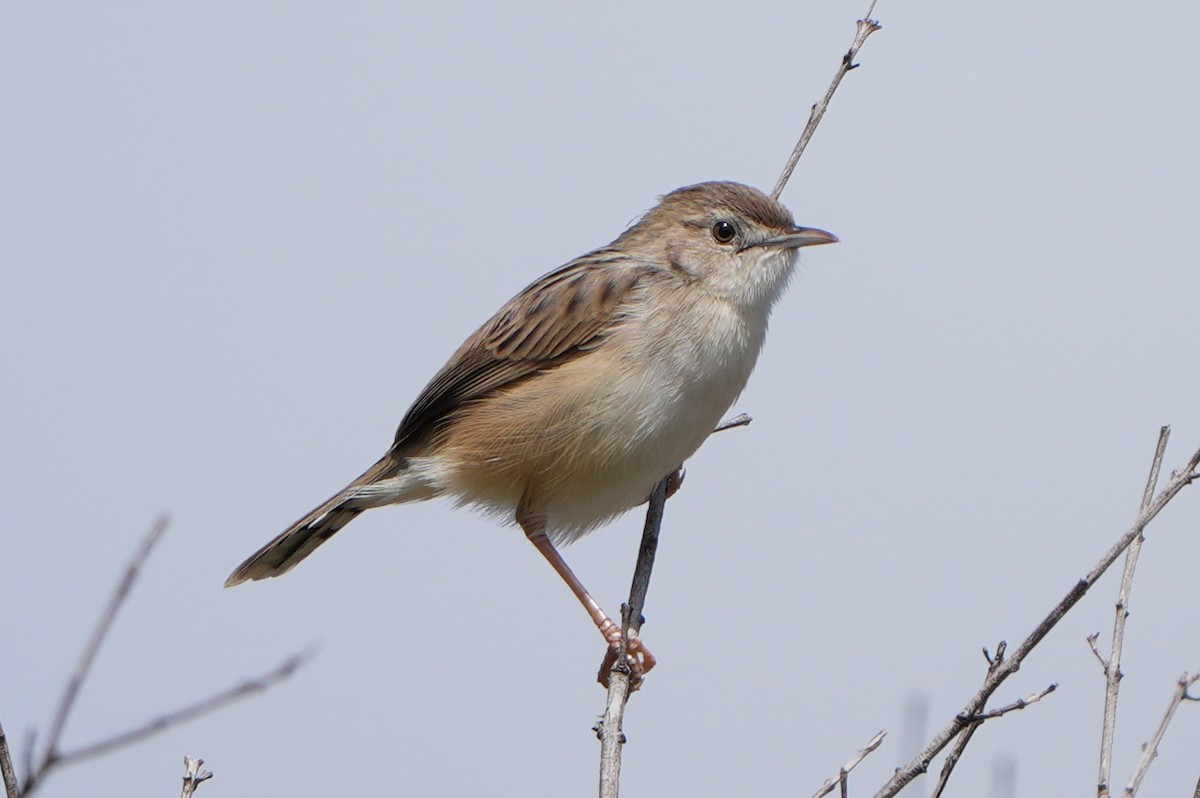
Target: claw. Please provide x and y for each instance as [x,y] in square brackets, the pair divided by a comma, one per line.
[638,660]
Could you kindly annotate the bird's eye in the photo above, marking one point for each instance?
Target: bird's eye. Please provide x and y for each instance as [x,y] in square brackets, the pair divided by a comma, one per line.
[723,232]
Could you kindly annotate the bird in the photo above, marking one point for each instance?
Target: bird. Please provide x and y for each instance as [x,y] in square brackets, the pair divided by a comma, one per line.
[587,388]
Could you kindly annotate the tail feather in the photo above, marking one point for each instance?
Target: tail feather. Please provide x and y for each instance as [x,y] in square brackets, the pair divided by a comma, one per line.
[303,537]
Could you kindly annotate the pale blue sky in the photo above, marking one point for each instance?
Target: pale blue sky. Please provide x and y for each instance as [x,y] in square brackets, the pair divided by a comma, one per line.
[236,242]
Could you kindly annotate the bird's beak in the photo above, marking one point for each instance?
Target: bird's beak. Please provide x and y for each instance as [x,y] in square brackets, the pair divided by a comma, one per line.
[800,237]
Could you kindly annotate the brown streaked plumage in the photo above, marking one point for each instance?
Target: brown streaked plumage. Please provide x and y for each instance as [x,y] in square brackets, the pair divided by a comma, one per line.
[589,386]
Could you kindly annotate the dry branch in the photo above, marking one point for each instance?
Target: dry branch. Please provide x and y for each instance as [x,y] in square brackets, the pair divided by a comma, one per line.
[1112,665]
[53,757]
[866,26]
[1002,667]
[840,778]
[610,729]
[193,776]
[960,744]
[1150,749]
[11,789]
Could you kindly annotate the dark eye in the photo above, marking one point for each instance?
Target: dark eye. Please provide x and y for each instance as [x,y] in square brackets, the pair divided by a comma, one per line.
[724,232]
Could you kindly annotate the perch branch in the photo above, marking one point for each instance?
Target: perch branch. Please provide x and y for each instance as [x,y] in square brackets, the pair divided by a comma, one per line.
[866,26]
[619,682]
[1005,667]
[1112,665]
[610,728]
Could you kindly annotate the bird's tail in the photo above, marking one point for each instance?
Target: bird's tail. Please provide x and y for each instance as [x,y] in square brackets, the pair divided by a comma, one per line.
[300,539]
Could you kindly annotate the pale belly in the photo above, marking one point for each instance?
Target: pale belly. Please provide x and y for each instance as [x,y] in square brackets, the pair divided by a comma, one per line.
[590,440]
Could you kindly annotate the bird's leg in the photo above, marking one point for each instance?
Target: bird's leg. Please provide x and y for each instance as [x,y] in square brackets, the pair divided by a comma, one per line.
[640,660]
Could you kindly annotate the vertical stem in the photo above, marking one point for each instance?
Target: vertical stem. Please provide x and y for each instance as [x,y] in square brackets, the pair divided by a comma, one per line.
[1112,667]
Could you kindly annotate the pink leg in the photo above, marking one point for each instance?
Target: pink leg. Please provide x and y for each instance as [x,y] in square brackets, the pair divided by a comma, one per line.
[640,660]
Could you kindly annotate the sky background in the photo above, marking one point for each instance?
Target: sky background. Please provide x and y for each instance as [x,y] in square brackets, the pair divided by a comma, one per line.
[237,240]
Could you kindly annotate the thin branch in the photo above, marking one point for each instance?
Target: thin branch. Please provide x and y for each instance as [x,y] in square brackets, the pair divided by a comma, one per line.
[840,778]
[1112,666]
[960,744]
[740,420]
[51,752]
[193,776]
[53,756]
[955,754]
[1150,749]
[610,729]
[621,681]
[188,713]
[1006,667]
[1092,640]
[866,26]
[11,789]
[1019,704]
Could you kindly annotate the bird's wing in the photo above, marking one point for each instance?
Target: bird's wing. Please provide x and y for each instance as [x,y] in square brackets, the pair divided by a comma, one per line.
[553,320]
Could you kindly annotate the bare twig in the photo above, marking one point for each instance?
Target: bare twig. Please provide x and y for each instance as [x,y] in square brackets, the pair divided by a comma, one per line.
[52,754]
[610,728]
[620,685]
[188,713]
[960,744]
[1020,703]
[1092,640]
[1112,666]
[845,769]
[1006,667]
[193,776]
[866,26]
[103,626]
[1150,749]
[955,754]
[11,789]
[740,420]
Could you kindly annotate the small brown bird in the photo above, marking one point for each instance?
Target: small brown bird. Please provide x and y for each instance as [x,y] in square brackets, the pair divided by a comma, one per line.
[566,408]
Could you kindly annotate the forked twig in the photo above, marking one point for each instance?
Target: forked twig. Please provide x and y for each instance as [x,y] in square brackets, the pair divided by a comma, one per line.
[1002,668]
[866,26]
[960,743]
[52,757]
[50,750]
[1150,749]
[193,776]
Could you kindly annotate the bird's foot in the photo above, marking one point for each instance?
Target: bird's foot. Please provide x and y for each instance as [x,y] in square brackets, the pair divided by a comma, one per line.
[638,660]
